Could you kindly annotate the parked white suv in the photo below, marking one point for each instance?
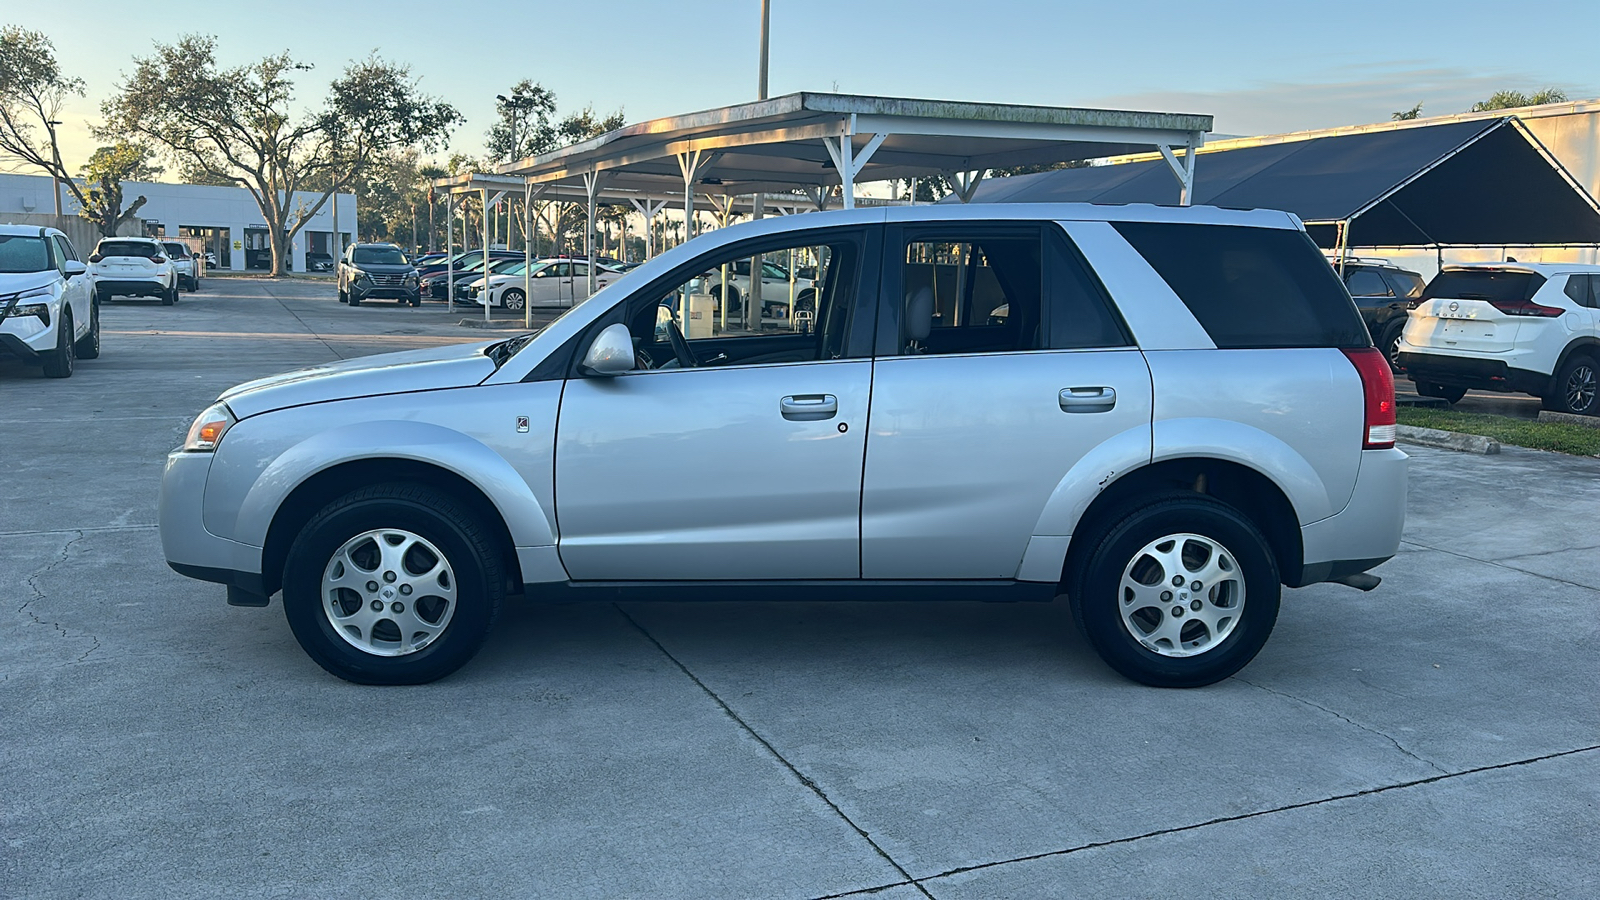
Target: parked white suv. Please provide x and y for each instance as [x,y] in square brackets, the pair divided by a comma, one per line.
[184,264]
[48,311]
[1531,328]
[1167,413]
[133,266]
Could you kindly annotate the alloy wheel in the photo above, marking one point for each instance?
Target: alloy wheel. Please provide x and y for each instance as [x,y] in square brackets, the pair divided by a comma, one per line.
[389,592]
[1581,388]
[1181,595]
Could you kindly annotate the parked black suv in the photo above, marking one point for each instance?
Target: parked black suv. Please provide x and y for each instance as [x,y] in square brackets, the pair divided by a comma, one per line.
[370,271]
[1384,293]
[436,276]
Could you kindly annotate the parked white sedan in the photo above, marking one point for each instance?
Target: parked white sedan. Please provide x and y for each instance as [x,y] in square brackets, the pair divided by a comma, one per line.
[554,282]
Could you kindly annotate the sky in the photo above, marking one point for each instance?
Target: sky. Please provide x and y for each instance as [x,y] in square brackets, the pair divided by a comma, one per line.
[1258,67]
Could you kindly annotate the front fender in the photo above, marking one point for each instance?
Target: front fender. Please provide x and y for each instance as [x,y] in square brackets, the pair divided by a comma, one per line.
[528,522]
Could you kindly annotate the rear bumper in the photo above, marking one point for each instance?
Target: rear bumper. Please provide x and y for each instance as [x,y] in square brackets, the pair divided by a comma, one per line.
[129,287]
[1473,372]
[1366,533]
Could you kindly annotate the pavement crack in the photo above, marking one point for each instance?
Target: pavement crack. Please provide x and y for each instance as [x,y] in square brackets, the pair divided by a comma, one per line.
[309,330]
[1348,721]
[782,760]
[1490,562]
[1223,820]
[33,587]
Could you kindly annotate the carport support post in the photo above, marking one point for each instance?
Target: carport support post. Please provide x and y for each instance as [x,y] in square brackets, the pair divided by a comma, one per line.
[530,236]
[486,213]
[848,162]
[1183,169]
[450,252]
[592,182]
[753,301]
[689,165]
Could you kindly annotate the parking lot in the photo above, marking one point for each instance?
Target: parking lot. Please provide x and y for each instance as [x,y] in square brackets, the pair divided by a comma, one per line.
[1437,737]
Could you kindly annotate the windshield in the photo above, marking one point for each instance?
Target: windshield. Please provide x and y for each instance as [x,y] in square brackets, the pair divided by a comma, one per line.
[379,256]
[1483,284]
[505,266]
[23,254]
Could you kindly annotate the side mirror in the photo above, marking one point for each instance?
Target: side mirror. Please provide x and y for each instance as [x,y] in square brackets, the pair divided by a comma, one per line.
[611,352]
[73,267]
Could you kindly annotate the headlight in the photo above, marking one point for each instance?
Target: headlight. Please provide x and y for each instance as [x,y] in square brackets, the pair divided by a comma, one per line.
[411,281]
[207,431]
[40,310]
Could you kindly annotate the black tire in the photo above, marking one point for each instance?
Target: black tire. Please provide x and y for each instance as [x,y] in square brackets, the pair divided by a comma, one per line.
[353,299]
[513,299]
[466,546]
[344,296]
[1449,393]
[58,362]
[1390,345]
[170,295]
[1575,389]
[89,347]
[1097,596]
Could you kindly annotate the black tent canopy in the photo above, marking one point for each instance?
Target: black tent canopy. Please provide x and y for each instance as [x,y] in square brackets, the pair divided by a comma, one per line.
[1457,183]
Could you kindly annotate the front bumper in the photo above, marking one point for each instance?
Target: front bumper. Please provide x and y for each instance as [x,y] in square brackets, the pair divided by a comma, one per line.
[192,550]
[25,337]
[1366,533]
[385,293]
[1473,373]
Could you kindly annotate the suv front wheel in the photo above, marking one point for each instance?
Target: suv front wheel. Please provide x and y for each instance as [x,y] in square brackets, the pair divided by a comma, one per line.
[392,584]
[1181,591]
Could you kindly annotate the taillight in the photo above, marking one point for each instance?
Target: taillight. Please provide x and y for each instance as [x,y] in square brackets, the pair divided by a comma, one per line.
[1526,308]
[155,259]
[1377,386]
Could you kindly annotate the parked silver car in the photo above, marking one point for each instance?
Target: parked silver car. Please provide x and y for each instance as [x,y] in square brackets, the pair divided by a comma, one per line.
[1168,414]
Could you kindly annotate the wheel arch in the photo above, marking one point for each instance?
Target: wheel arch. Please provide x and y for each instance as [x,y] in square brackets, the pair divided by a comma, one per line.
[317,490]
[1586,344]
[1246,489]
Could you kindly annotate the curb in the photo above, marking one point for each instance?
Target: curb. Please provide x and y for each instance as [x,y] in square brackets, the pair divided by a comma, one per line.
[499,325]
[1448,440]
[1561,418]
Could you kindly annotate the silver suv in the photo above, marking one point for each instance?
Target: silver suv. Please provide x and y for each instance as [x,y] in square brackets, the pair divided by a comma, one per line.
[1167,414]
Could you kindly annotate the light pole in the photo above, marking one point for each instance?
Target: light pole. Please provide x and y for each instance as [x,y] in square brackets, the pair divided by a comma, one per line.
[766,31]
[515,112]
[55,180]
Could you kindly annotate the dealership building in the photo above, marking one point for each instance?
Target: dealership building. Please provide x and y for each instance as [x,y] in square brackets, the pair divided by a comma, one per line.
[225,220]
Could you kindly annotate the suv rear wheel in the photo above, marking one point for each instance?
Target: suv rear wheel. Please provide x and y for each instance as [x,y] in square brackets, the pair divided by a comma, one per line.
[392,584]
[1181,591]
[1574,389]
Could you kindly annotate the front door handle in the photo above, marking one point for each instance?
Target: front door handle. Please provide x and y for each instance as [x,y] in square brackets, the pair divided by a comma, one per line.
[809,407]
[1088,399]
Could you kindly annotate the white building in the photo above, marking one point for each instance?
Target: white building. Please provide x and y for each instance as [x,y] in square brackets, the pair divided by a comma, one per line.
[225,219]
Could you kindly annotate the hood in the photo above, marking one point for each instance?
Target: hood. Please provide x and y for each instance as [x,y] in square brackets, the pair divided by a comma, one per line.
[457,365]
[17,282]
[384,268]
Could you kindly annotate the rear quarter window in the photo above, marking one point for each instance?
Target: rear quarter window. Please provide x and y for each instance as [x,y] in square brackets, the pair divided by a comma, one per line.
[1251,287]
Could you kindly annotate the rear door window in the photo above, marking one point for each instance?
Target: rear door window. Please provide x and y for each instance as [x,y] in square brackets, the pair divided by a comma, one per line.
[1493,285]
[1251,287]
[1408,285]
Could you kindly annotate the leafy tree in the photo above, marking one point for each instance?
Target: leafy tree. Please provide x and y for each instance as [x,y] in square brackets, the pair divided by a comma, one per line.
[1407,115]
[103,175]
[524,114]
[238,125]
[32,90]
[1513,99]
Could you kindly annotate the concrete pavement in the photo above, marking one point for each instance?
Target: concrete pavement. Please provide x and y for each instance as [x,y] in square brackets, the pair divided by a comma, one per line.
[1436,737]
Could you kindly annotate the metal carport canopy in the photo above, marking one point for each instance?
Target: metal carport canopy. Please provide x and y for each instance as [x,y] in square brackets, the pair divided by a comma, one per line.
[1452,183]
[814,141]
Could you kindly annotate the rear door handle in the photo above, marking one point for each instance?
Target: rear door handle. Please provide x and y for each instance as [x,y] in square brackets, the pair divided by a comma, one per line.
[1088,399]
[809,407]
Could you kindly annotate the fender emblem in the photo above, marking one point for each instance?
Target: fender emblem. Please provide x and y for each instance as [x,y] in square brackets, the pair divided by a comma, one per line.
[522,424]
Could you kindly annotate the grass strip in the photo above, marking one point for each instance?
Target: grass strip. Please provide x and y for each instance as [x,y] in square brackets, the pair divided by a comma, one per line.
[1574,439]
